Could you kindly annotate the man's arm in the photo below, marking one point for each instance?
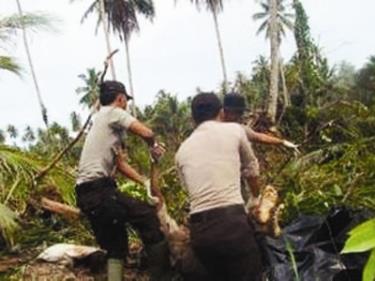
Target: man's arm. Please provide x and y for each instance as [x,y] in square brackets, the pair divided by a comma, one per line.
[249,165]
[148,135]
[267,139]
[126,170]
[125,120]
[138,128]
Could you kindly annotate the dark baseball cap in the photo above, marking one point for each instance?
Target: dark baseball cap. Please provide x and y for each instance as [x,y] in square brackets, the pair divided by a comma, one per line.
[234,101]
[114,87]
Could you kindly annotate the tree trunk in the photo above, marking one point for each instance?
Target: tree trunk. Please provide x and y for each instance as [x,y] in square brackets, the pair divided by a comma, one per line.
[285,88]
[274,80]
[221,50]
[31,65]
[106,34]
[130,76]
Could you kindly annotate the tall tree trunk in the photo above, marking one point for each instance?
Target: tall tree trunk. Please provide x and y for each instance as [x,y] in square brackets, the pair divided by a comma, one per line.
[130,76]
[283,81]
[107,40]
[221,50]
[31,65]
[274,80]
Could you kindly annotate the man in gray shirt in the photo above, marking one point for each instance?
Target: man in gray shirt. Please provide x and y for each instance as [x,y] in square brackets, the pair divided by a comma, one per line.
[210,163]
[107,209]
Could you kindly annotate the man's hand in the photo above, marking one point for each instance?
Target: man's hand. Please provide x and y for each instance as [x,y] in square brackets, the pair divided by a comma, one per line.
[291,145]
[154,195]
[157,151]
[252,204]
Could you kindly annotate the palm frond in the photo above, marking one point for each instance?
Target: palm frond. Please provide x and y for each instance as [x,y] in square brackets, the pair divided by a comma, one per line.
[9,64]
[31,21]
[211,5]
[8,224]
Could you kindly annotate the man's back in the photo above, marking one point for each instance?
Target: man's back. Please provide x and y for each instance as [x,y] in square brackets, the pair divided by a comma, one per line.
[210,163]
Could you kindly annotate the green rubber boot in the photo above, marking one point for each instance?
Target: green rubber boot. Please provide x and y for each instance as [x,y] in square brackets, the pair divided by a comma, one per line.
[115,269]
[159,266]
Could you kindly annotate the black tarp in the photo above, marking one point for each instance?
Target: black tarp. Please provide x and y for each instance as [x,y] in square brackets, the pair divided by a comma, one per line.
[314,243]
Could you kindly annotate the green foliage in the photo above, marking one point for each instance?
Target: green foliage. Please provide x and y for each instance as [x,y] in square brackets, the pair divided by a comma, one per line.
[8,224]
[314,73]
[9,64]
[365,83]
[362,239]
[18,169]
[337,167]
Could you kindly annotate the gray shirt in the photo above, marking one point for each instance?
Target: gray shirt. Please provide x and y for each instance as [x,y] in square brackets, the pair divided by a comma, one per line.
[103,140]
[210,162]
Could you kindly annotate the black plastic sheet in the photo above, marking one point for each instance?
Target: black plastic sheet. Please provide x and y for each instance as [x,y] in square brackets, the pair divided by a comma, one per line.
[309,249]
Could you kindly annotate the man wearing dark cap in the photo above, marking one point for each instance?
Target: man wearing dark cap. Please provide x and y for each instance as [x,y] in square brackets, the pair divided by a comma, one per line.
[210,163]
[107,209]
[234,108]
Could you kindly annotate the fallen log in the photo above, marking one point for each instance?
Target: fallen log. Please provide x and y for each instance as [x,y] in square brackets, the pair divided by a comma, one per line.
[66,211]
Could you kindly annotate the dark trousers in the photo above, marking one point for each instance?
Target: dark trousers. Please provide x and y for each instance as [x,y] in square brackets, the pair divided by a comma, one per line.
[108,210]
[223,240]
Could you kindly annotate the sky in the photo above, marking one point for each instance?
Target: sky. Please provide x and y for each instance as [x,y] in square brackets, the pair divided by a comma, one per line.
[177,52]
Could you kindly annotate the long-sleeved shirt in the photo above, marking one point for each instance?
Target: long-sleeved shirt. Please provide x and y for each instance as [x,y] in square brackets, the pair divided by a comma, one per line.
[210,163]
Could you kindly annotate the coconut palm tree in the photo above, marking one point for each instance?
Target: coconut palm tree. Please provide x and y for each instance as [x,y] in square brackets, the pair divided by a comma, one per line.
[76,122]
[29,135]
[90,90]
[121,16]
[98,6]
[276,20]
[43,108]
[8,28]
[12,131]
[216,6]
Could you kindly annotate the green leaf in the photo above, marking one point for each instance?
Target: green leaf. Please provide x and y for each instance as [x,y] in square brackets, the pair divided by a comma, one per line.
[369,271]
[362,238]
[366,226]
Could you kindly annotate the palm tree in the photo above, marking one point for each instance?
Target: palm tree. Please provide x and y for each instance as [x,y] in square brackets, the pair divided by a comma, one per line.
[76,122]
[8,27]
[276,21]
[12,131]
[121,16]
[32,69]
[98,6]
[90,90]
[29,135]
[216,6]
